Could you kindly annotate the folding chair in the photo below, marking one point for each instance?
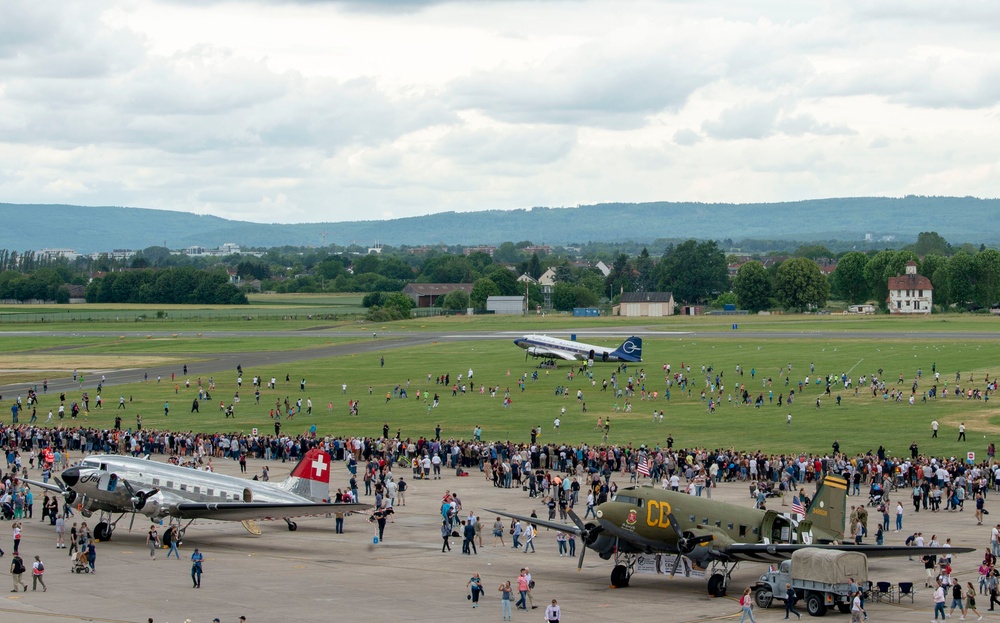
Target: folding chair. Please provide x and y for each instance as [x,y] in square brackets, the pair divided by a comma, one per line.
[906,590]
[883,590]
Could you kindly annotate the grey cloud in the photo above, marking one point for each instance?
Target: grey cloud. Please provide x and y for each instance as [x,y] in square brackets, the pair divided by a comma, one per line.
[588,89]
[509,149]
[753,120]
[686,137]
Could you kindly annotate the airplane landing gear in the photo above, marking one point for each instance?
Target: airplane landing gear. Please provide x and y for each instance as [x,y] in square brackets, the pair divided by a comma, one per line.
[292,526]
[102,531]
[623,570]
[718,581]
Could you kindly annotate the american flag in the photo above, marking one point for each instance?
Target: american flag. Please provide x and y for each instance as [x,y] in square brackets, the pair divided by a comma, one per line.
[643,468]
[797,507]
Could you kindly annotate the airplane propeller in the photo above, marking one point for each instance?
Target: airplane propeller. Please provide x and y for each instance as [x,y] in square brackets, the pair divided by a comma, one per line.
[685,543]
[139,499]
[68,494]
[584,533]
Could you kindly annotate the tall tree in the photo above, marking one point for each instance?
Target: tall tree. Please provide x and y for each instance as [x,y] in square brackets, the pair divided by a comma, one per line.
[752,287]
[849,278]
[987,266]
[961,279]
[482,289]
[929,242]
[695,272]
[800,285]
[535,267]
[645,272]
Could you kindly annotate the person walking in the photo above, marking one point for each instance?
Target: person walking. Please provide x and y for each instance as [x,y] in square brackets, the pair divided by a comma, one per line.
[746,604]
[970,600]
[445,535]
[37,571]
[529,538]
[522,589]
[957,601]
[939,600]
[91,555]
[60,532]
[475,586]
[152,541]
[553,612]
[498,529]
[16,572]
[506,592]
[196,560]
[857,611]
[175,537]
[790,598]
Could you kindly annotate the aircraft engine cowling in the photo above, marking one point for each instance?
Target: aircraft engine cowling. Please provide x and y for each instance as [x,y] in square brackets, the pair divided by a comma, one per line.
[700,555]
[603,544]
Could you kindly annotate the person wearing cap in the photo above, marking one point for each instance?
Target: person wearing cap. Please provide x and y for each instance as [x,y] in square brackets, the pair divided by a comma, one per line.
[196,559]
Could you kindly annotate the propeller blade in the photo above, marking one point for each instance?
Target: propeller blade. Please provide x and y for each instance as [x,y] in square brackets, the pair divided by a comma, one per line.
[130,523]
[579,562]
[673,526]
[677,563]
[58,481]
[128,487]
[579,522]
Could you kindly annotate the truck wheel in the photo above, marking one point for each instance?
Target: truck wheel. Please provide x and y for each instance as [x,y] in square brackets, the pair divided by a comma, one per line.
[762,598]
[815,605]
[844,608]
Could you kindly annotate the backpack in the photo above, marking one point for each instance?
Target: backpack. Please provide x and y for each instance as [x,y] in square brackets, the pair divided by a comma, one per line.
[41,566]
[18,566]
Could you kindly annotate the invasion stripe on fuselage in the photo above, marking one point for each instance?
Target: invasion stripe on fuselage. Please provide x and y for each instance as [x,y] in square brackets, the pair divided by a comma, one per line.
[836,483]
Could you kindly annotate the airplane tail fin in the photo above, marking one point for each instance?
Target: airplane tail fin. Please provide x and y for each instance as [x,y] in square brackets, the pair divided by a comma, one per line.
[630,350]
[311,476]
[829,508]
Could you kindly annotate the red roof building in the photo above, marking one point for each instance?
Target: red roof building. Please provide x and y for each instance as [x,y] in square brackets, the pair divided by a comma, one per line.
[910,293]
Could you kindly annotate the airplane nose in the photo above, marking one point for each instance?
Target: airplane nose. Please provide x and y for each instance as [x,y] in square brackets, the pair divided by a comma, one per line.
[517,342]
[71,476]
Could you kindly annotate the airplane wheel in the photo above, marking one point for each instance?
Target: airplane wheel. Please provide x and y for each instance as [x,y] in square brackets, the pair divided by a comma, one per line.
[167,537]
[102,532]
[619,576]
[716,585]
[815,606]
[292,526]
[762,598]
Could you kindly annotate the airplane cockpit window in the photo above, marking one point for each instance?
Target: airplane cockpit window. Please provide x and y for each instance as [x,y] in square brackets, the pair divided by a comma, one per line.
[90,464]
[104,467]
[628,499]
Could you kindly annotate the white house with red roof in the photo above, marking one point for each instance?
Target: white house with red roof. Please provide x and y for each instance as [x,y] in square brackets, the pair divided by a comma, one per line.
[910,293]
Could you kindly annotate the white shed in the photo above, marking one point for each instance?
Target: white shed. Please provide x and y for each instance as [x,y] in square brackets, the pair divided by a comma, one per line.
[506,305]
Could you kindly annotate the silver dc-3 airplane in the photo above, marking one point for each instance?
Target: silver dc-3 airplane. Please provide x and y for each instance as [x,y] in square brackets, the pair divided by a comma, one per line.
[120,485]
[554,348]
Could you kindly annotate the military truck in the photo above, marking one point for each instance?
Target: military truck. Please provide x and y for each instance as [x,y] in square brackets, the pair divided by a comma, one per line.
[820,578]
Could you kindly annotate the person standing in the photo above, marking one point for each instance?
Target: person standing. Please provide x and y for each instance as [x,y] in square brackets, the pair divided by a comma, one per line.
[17,535]
[498,529]
[73,536]
[790,598]
[469,546]
[60,532]
[475,585]
[16,572]
[746,604]
[553,612]
[37,571]
[196,560]
[529,538]
[506,592]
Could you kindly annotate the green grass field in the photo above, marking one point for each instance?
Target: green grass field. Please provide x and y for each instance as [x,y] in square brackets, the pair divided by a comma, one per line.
[860,423]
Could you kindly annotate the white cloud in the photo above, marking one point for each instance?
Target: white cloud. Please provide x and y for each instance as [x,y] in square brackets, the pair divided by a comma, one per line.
[311,110]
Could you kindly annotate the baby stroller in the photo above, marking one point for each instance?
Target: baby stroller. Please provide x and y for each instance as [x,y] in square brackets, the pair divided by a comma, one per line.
[875,495]
[7,509]
[80,564]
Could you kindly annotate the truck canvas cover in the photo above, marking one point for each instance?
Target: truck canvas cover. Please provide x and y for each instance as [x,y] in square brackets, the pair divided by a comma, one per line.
[831,567]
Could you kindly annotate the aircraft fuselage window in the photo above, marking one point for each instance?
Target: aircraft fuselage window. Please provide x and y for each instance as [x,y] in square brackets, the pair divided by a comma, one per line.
[743,531]
[156,482]
[718,524]
[184,487]
[756,530]
[209,492]
[104,467]
[730,526]
[692,519]
[197,489]
[170,484]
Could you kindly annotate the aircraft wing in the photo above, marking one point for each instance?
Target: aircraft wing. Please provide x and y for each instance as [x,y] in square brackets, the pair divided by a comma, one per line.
[239,511]
[48,486]
[759,552]
[539,351]
[564,527]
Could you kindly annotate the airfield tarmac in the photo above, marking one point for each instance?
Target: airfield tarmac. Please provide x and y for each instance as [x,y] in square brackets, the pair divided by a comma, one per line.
[313,574]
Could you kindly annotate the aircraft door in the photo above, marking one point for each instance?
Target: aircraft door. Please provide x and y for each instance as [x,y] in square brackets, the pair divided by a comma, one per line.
[108,482]
[247,495]
[590,355]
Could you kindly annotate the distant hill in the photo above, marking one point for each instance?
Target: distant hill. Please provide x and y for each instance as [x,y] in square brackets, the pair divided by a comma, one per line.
[89,229]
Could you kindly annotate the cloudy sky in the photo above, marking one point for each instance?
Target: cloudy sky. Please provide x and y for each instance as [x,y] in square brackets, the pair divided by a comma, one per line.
[313,110]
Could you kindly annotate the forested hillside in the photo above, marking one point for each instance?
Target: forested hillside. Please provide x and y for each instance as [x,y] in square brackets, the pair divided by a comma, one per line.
[88,229]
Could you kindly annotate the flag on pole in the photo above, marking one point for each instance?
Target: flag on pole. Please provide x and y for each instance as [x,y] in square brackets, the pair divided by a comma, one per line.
[643,468]
[797,507]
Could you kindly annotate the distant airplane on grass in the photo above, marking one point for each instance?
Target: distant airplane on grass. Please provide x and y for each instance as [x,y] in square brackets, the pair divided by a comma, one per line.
[554,348]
